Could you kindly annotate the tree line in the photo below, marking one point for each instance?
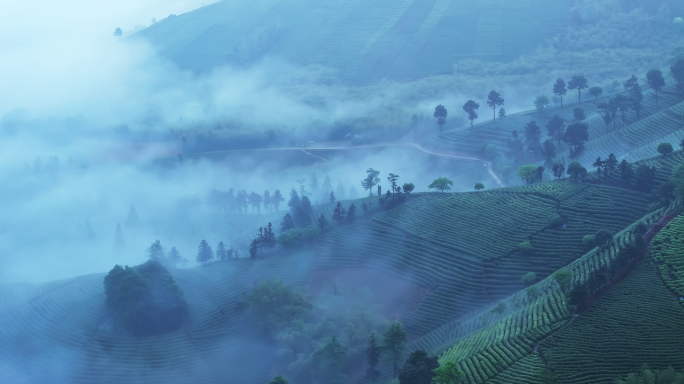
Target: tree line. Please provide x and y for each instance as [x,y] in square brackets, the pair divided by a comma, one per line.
[643,175]
[418,368]
[232,202]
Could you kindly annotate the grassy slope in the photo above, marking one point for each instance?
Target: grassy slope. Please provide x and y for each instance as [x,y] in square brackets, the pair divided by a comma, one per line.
[366,41]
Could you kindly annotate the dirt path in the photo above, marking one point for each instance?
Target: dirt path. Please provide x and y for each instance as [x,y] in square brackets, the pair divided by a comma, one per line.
[449,154]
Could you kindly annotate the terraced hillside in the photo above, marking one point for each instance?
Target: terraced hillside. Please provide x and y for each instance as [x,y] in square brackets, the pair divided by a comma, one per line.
[504,348]
[438,248]
[637,139]
[365,40]
[637,322]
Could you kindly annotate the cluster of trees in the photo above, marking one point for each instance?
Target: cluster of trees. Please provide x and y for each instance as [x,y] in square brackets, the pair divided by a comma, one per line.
[265,240]
[173,259]
[644,175]
[630,99]
[326,191]
[231,202]
[494,101]
[144,300]
[648,376]
[328,352]
[206,253]
[575,135]
[395,190]
[580,293]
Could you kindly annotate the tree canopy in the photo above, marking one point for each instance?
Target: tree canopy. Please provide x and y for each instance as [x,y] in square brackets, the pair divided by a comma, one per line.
[441,184]
[394,344]
[576,134]
[419,368]
[665,148]
[560,89]
[494,100]
[579,83]
[448,373]
[527,172]
[440,114]
[541,102]
[144,300]
[471,107]
[372,178]
[655,81]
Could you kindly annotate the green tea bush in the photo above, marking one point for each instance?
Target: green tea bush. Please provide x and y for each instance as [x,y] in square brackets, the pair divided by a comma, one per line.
[525,246]
[297,236]
[529,277]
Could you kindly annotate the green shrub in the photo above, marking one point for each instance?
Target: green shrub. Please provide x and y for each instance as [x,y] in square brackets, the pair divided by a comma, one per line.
[297,236]
[532,291]
[490,151]
[529,277]
[665,148]
[500,307]
[525,246]
[144,300]
[588,241]
[563,277]
[556,220]
[272,305]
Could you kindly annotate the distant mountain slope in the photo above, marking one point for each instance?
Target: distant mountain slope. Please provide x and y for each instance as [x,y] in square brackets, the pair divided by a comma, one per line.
[365,40]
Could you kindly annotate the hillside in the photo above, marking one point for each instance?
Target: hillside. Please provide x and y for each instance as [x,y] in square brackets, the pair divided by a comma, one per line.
[448,257]
[635,140]
[365,40]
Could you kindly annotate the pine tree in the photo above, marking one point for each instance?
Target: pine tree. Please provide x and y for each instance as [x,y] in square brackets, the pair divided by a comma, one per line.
[253,248]
[89,230]
[351,213]
[221,252]
[327,187]
[294,200]
[132,219]
[493,101]
[322,222]
[339,213]
[279,380]
[340,192]
[204,253]
[276,199]
[394,344]
[313,185]
[118,237]
[267,201]
[156,252]
[269,239]
[287,223]
[560,89]
[392,178]
[329,359]
[332,196]
[373,354]
[303,214]
[176,258]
